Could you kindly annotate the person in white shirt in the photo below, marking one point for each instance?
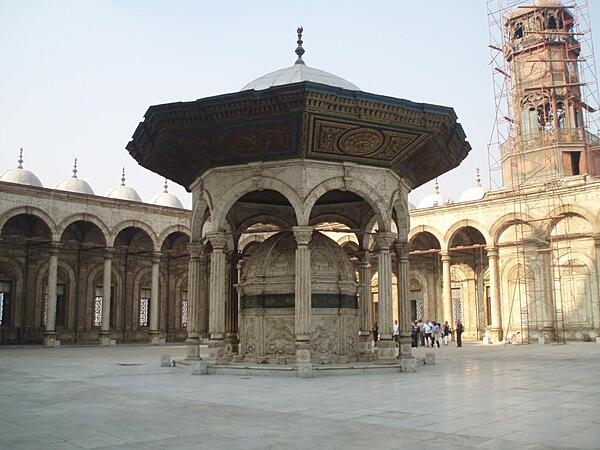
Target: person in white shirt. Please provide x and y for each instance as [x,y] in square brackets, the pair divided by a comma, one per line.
[396,331]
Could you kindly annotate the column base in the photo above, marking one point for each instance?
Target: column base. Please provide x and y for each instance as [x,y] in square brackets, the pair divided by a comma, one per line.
[216,351]
[386,351]
[154,337]
[302,350]
[105,338]
[365,345]
[232,344]
[50,339]
[405,347]
[495,335]
[193,349]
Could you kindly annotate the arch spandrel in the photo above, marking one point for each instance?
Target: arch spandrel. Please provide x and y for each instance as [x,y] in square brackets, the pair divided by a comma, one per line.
[83,217]
[32,211]
[508,220]
[456,227]
[200,212]
[173,229]
[230,197]
[358,187]
[439,236]
[139,225]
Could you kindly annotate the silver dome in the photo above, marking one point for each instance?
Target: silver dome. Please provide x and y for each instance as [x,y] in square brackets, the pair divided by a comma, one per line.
[124,192]
[166,199]
[20,175]
[474,193]
[74,184]
[296,74]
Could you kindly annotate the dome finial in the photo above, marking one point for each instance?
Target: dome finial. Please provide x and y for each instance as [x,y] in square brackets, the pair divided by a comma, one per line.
[123,177]
[165,186]
[75,168]
[299,49]
[20,161]
[437,186]
[477,177]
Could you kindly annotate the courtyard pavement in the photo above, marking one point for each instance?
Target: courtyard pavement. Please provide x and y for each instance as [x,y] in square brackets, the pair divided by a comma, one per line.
[475,397]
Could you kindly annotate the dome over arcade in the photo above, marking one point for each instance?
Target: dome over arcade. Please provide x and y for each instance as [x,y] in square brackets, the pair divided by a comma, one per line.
[124,192]
[474,193]
[20,175]
[166,199]
[74,184]
[435,199]
[297,73]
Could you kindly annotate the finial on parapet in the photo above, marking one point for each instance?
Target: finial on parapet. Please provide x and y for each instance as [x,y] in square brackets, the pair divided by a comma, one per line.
[75,168]
[20,161]
[299,49]
[437,186]
[477,177]
[123,177]
[165,186]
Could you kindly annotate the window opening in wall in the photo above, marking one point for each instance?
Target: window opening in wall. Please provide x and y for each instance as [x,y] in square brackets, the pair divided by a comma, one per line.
[575,160]
[98,306]
[457,303]
[144,305]
[5,291]
[518,31]
[488,306]
[184,308]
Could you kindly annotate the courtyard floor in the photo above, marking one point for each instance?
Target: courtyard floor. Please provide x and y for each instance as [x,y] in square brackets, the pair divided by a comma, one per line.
[475,397]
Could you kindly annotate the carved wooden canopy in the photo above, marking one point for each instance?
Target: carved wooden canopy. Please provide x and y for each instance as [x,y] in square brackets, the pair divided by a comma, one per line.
[182,140]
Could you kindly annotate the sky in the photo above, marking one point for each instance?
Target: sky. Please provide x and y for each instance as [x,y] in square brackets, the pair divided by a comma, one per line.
[77,76]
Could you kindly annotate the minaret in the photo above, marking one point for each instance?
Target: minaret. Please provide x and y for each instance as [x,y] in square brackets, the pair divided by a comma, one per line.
[548,140]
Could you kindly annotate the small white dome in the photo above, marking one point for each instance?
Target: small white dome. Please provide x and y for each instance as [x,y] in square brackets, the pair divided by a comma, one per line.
[20,175]
[435,199]
[474,193]
[74,184]
[297,73]
[411,206]
[124,192]
[166,199]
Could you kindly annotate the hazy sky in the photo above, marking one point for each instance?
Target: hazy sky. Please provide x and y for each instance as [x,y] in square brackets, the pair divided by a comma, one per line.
[76,77]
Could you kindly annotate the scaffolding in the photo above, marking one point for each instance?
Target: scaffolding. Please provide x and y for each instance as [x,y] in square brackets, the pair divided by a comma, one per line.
[546,104]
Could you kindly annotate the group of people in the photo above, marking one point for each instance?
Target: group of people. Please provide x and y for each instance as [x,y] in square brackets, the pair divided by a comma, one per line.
[425,333]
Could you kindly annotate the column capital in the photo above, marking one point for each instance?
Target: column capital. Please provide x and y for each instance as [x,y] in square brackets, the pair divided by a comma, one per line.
[303,235]
[155,257]
[402,249]
[492,251]
[195,249]
[445,255]
[385,239]
[217,240]
[54,248]
[109,252]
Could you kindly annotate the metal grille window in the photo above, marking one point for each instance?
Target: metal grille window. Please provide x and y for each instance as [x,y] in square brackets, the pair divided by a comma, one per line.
[144,305]
[5,289]
[184,308]
[98,306]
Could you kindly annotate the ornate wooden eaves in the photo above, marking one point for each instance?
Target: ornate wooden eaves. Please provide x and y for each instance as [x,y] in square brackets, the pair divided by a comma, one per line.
[304,120]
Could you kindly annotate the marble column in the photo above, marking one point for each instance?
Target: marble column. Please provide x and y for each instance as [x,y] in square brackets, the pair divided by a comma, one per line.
[203,297]
[302,291]
[50,330]
[405,348]
[154,332]
[446,290]
[366,321]
[105,334]
[193,341]
[216,323]
[386,347]
[495,329]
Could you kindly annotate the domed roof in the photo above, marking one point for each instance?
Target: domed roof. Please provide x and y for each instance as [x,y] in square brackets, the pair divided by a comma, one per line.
[473,193]
[20,175]
[272,266]
[166,199]
[435,199]
[297,73]
[124,192]
[74,184]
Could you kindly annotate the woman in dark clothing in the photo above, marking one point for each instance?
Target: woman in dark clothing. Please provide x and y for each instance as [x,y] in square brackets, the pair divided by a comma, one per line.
[459,332]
